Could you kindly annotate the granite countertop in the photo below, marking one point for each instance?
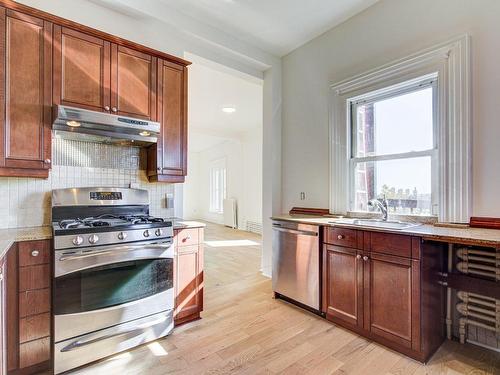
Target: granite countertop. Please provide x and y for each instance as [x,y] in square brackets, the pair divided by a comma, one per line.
[451,234]
[11,235]
[185,224]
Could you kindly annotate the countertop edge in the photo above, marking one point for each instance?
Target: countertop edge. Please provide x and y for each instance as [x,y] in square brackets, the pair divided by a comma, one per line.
[425,231]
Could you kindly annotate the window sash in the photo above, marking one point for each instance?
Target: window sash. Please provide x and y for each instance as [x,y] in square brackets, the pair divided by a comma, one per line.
[218,186]
[373,98]
[433,152]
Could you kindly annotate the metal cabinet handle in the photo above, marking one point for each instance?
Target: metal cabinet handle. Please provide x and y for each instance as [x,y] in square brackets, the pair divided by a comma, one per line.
[340,236]
[47,161]
[106,108]
[358,256]
[35,253]
[114,109]
[365,258]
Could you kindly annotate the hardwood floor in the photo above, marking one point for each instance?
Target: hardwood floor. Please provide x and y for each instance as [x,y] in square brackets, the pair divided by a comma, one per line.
[244,331]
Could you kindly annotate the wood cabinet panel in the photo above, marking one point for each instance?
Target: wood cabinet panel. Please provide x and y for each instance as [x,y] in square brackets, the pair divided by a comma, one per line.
[344,237]
[391,244]
[389,298]
[82,70]
[34,277]
[34,352]
[343,289]
[34,252]
[133,83]
[32,302]
[189,277]
[26,79]
[34,327]
[167,161]
[187,237]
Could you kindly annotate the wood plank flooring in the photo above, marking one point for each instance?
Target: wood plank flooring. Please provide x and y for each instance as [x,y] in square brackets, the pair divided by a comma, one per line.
[243,330]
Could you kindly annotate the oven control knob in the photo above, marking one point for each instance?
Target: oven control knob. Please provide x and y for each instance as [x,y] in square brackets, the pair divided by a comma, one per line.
[146,233]
[78,240]
[93,238]
[122,235]
[159,232]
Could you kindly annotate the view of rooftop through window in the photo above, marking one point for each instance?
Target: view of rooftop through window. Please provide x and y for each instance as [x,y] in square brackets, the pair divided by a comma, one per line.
[393,143]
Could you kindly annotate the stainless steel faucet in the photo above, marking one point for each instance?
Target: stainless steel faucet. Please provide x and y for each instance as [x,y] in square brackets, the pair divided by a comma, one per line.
[381,204]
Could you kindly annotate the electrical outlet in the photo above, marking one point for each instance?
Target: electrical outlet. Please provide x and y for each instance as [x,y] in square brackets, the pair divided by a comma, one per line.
[302,196]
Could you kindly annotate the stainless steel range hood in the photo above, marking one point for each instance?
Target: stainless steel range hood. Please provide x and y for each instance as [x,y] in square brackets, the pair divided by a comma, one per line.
[92,126]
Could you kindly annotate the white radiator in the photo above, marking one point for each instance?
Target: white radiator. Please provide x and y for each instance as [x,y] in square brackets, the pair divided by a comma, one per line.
[254,226]
[230,218]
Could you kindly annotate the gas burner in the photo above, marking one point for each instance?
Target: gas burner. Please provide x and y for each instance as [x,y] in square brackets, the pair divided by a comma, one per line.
[97,223]
[70,223]
[142,219]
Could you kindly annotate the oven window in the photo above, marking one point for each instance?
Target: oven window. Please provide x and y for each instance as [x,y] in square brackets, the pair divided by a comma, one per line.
[111,285]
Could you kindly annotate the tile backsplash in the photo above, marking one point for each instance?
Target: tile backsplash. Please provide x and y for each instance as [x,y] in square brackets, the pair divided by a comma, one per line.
[25,202]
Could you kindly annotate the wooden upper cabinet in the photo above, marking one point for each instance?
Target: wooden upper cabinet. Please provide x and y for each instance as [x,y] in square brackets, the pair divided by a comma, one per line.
[133,83]
[168,160]
[26,88]
[82,70]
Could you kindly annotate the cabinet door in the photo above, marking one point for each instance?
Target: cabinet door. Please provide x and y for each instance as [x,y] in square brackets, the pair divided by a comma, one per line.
[189,282]
[343,286]
[26,78]
[392,299]
[171,153]
[133,83]
[82,70]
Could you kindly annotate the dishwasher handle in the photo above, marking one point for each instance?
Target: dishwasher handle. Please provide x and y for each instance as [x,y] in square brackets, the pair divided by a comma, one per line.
[295,231]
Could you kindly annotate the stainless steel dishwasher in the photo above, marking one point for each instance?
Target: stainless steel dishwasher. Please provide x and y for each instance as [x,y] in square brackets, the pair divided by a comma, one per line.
[296,265]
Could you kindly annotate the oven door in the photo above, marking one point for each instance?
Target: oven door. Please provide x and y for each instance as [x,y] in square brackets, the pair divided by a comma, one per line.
[102,287]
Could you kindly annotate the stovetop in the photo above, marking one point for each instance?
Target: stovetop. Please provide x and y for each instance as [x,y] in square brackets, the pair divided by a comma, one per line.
[108,223]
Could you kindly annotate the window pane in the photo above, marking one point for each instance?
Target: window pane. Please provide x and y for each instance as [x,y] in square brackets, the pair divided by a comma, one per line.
[399,124]
[406,184]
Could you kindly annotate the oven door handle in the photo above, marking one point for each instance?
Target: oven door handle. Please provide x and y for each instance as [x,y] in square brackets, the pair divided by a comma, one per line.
[137,330]
[122,249]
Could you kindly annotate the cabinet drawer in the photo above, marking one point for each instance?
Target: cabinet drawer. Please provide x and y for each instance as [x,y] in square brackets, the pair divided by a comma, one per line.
[33,252]
[34,302]
[34,277]
[34,327]
[343,237]
[34,352]
[391,244]
[187,237]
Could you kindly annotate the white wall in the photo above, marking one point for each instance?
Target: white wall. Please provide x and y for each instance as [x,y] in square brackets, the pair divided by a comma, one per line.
[243,178]
[389,30]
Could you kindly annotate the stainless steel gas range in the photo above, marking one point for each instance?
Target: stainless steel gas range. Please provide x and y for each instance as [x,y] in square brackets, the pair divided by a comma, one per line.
[113,274]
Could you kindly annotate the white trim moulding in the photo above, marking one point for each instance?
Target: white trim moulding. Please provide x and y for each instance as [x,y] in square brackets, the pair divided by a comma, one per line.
[451,62]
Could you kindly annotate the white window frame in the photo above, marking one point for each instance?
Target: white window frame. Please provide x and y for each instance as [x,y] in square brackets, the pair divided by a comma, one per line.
[428,81]
[450,61]
[217,165]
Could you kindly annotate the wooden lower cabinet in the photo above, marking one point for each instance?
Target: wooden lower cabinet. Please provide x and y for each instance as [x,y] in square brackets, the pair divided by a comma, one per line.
[394,300]
[343,295]
[188,275]
[28,307]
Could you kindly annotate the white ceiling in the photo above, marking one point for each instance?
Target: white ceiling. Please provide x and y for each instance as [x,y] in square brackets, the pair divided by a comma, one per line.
[212,87]
[275,26]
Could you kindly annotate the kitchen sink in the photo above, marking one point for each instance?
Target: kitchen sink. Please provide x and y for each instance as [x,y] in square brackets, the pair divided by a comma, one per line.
[376,223]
